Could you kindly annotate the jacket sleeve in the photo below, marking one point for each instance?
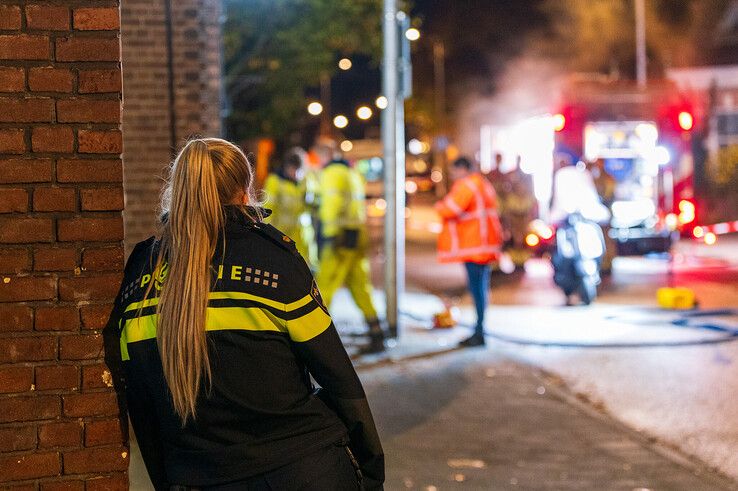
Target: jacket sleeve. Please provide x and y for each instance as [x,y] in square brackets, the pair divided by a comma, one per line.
[129,389]
[316,342]
[455,202]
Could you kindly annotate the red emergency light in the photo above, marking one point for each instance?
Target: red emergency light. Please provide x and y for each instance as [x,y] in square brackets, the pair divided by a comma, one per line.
[559,122]
[686,121]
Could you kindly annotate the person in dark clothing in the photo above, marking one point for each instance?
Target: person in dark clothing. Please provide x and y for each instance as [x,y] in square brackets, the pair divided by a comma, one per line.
[213,339]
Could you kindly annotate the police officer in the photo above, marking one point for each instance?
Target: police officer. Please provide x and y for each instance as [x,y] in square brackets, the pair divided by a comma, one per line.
[213,339]
[286,191]
[344,258]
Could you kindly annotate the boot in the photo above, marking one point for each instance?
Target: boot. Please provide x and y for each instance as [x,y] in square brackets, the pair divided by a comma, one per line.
[376,338]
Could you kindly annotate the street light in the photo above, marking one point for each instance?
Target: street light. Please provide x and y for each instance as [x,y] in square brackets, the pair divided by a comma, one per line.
[315,108]
[344,64]
[412,34]
[364,112]
[340,121]
[381,102]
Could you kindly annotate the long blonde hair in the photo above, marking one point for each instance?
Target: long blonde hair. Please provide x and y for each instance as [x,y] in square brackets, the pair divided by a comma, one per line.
[207,174]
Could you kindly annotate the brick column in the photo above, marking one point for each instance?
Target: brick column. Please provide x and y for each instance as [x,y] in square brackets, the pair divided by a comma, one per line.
[193,101]
[61,252]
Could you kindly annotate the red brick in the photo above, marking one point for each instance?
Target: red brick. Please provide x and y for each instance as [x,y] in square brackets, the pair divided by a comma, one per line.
[24,47]
[89,229]
[13,350]
[81,347]
[27,288]
[83,170]
[55,259]
[16,318]
[102,287]
[65,434]
[54,199]
[10,17]
[97,81]
[18,409]
[117,482]
[16,379]
[14,261]
[91,404]
[88,111]
[57,377]
[97,19]
[69,485]
[13,200]
[52,139]
[96,377]
[12,140]
[47,79]
[91,141]
[103,433]
[57,318]
[29,466]
[95,316]
[17,439]
[27,110]
[19,487]
[47,17]
[87,49]
[102,199]
[25,170]
[105,259]
[99,459]
[23,230]
[12,79]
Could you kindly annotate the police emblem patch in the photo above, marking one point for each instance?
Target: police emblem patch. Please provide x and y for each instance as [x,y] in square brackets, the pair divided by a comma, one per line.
[315,293]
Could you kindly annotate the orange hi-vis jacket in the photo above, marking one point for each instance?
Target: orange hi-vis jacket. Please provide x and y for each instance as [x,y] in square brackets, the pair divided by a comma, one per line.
[471,227]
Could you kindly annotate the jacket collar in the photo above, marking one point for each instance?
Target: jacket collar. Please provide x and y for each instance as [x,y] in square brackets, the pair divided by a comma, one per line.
[238,214]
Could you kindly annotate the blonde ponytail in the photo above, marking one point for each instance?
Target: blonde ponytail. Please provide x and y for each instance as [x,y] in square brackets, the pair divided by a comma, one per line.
[206,175]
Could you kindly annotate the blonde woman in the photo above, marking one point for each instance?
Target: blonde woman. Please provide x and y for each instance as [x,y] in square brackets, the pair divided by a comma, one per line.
[220,325]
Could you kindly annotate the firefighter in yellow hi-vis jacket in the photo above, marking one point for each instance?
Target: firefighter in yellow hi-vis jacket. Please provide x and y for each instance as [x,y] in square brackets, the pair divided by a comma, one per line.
[285,196]
[344,258]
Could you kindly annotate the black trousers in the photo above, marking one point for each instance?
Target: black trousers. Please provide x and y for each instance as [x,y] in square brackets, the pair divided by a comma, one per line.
[331,468]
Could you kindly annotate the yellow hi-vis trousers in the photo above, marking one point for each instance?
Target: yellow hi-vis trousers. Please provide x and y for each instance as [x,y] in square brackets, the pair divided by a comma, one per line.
[349,267]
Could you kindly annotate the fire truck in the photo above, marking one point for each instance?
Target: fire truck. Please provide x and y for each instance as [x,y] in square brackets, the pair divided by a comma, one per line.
[640,138]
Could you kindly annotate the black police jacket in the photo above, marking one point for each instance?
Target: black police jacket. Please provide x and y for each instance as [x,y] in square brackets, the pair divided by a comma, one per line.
[267,331]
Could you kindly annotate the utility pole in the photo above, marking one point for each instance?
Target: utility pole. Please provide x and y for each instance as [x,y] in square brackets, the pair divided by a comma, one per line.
[640,21]
[393,158]
[439,106]
[325,99]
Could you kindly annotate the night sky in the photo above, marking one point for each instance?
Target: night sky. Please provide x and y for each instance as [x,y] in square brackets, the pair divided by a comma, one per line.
[480,36]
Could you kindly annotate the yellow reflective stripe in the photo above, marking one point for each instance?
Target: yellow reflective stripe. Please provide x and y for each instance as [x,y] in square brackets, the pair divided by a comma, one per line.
[309,325]
[242,319]
[245,296]
[298,303]
[218,319]
[140,328]
[143,304]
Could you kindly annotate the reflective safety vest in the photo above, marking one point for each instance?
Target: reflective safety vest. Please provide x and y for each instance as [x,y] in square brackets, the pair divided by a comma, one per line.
[290,214]
[471,226]
[342,197]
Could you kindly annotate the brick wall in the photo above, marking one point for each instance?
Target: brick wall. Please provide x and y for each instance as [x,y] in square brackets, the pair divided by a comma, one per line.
[149,140]
[61,251]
